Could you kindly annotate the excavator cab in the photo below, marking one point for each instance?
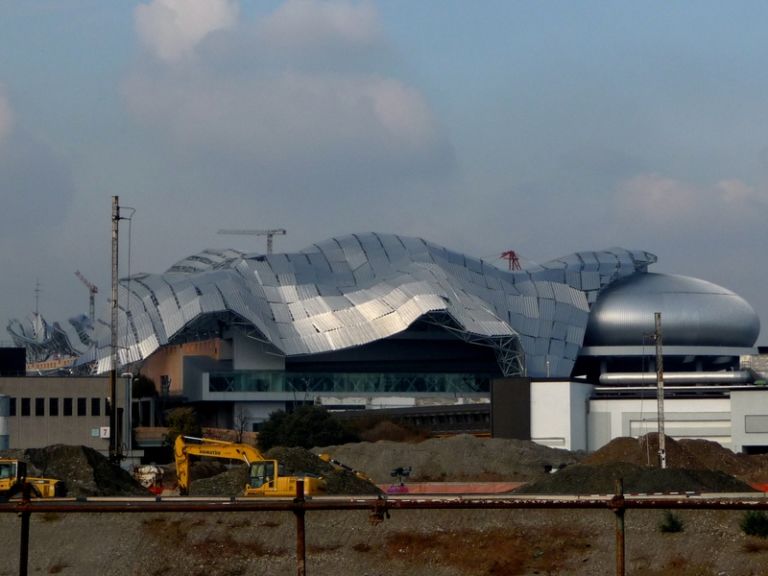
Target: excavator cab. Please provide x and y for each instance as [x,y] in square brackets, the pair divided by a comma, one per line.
[7,470]
[262,472]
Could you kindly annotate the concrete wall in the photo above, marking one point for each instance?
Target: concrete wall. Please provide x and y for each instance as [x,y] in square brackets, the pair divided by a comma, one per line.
[4,407]
[167,363]
[558,414]
[706,418]
[33,426]
[250,354]
[749,419]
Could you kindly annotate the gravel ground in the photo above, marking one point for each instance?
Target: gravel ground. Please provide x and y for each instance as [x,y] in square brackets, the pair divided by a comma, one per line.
[414,543]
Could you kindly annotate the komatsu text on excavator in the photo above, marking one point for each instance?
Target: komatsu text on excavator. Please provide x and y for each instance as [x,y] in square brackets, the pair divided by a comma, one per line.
[265,476]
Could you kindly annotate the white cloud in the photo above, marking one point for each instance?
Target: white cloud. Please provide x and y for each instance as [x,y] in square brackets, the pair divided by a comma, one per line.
[658,198]
[659,204]
[172,28]
[737,192]
[290,115]
[6,115]
[299,23]
[268,106]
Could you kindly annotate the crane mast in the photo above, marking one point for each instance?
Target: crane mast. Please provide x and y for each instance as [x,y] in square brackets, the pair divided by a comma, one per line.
[270,233]
[92,291]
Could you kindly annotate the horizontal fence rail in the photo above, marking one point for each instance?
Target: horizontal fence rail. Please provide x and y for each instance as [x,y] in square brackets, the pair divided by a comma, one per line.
[378,508]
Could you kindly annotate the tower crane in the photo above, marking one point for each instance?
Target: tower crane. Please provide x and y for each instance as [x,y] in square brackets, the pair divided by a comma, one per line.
[92,291]
[269,233]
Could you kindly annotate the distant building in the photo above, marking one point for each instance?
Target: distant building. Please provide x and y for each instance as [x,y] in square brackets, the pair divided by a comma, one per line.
[385,321]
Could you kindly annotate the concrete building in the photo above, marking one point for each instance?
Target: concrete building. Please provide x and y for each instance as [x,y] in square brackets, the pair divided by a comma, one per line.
[580,416]
[50,410]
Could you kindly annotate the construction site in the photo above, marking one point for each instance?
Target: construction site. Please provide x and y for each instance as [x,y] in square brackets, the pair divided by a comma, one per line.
[372,534]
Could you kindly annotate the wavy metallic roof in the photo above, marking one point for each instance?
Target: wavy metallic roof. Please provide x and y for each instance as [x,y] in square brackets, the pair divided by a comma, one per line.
[352,290]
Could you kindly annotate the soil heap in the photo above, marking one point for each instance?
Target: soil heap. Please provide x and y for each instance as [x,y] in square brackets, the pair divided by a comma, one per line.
[691,454]
[461,458]
[85,471]
[692,466]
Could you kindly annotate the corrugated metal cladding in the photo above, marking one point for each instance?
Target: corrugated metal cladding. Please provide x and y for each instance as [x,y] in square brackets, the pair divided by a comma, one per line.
[355,289]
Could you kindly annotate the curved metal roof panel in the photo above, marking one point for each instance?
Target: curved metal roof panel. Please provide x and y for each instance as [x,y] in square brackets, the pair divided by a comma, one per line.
[352,290]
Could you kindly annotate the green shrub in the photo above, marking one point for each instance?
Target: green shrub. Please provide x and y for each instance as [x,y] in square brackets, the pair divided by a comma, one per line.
[307,426]
[182,421]
[755,523]
[671,523]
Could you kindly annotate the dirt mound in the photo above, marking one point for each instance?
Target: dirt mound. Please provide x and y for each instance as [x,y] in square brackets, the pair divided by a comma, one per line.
[747,467]
[689,454]
[85,471]
[460,458]
[644,451]
[338,481]
[228,483]
[589,479]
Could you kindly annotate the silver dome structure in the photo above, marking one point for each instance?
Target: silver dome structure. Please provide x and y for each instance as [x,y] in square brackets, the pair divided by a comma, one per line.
[695,313]
[705,328]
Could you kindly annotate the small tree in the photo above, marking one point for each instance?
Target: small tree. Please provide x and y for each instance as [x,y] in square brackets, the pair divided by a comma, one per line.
[143,387]
[241,422]
[182,421]
[306,427]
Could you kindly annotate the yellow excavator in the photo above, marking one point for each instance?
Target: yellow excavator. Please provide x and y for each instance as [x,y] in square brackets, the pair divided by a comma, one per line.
[13,476]
[265,476]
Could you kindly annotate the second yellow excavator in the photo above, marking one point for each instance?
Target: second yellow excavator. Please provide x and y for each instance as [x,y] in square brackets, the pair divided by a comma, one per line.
[265,476]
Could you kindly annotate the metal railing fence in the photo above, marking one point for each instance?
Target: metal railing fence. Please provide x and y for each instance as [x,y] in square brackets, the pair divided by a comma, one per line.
[378,508]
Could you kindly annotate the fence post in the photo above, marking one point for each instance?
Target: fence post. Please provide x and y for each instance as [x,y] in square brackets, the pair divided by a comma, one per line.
[617,505]
[26,493]
[301,557]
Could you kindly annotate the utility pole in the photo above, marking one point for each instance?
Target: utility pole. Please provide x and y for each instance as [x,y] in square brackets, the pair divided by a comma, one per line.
[660,391]
[114,449]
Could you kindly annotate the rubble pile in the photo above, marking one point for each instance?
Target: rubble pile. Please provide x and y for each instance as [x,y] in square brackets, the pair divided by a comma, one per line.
[85,471]
[298,462]
[691,454]
[586,479]
[230,482]
[460,458]
[692,466]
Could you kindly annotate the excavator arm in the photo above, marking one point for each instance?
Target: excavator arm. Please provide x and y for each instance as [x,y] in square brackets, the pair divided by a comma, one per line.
[265,477]
[186,446]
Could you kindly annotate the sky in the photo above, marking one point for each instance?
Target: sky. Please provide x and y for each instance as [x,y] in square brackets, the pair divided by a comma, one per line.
[540,127]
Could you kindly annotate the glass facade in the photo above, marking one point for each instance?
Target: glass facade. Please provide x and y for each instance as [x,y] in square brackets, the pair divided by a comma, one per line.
[371,383]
